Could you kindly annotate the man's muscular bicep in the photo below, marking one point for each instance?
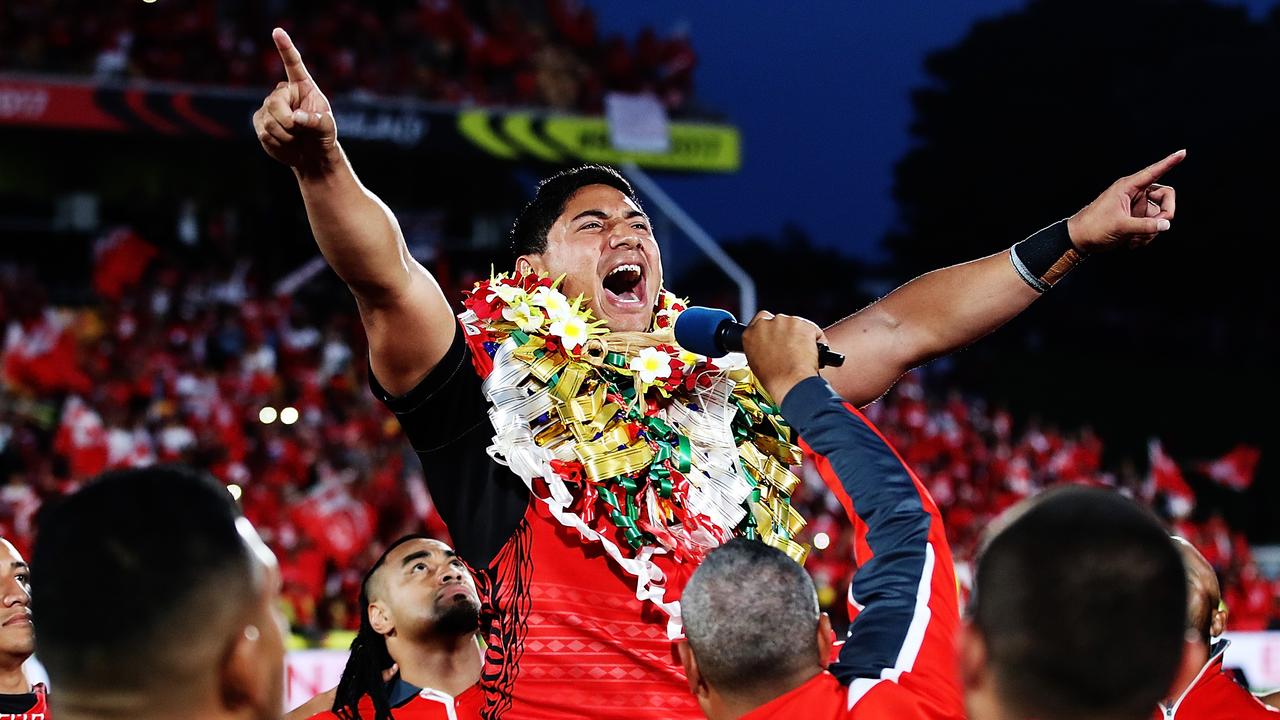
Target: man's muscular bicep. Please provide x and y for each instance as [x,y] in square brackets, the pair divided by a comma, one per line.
[409,331]
[876,355]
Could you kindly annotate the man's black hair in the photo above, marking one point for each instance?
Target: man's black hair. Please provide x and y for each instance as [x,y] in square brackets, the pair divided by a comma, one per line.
[529,232]
[369,658]
[129,567]
[1081,599]
[751,615]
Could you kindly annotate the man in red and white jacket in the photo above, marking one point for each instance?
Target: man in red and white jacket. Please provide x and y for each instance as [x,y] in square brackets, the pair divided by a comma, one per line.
[1213,693]
[756,644]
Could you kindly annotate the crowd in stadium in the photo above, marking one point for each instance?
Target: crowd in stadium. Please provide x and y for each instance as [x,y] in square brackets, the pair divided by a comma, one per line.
[500,52]
[198,362]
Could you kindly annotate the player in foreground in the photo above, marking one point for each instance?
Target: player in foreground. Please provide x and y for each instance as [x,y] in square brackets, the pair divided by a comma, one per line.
[157,601]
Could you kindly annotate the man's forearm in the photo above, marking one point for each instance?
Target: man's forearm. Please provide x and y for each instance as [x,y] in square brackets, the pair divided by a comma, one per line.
[932,315]
[357,233]
[950,308]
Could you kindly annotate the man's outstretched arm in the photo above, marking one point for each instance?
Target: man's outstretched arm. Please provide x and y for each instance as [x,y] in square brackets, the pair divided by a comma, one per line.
[947,309]
[406,317]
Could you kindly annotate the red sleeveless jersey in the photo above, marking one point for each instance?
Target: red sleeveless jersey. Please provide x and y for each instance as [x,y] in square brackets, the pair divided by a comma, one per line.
[572,640]
[566,636]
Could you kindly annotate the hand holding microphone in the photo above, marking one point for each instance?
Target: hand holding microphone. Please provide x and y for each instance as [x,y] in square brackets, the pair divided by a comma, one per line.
[782,350]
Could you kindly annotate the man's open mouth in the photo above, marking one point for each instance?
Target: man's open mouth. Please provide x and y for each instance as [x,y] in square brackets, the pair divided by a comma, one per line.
[625,284]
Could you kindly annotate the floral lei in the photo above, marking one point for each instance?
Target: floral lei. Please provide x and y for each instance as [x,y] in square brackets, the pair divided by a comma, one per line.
[627,434]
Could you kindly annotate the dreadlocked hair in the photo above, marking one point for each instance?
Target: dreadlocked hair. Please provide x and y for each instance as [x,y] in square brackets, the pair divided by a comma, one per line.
[369,659]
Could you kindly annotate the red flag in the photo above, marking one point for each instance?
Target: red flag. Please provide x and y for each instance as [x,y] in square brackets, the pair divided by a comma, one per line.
[1235,469]
[120,259]
[339,524]
[1167,478]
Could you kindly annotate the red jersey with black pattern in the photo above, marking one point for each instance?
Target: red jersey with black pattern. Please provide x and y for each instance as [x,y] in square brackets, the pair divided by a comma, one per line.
[567,636]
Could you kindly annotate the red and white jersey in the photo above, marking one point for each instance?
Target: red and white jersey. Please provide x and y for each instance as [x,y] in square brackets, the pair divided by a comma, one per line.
[1214,695]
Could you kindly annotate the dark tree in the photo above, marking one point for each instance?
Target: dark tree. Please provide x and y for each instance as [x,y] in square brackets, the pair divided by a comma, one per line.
[1027,119]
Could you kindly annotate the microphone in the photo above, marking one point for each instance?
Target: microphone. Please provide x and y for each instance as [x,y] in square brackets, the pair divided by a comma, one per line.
[714,332]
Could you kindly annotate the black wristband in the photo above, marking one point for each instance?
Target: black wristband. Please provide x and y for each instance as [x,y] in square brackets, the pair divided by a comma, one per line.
[1045,257]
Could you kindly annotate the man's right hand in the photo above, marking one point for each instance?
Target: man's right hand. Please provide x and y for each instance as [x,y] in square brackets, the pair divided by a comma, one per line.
[782,350]
[295,123]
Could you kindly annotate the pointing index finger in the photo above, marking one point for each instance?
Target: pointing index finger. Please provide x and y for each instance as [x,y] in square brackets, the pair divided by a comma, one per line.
[293,67]
[1152,173]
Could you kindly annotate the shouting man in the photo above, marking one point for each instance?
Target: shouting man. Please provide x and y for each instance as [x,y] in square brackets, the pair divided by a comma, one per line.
[583,462]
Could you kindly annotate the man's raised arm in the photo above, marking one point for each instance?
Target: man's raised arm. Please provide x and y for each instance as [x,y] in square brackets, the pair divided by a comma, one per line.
[947,309]
[405,315]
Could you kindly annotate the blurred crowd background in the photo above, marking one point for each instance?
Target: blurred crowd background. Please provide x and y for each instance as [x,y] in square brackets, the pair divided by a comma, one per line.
[496,52]
[161,299]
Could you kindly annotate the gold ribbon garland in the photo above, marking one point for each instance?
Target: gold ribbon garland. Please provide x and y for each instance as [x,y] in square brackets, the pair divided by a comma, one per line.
[609,423]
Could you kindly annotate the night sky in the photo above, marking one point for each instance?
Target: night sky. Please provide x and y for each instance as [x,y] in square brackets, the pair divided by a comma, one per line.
[820,91]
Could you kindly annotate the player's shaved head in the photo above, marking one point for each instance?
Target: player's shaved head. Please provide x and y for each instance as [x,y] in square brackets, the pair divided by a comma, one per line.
[1204,595]
[1079,608]
[153,586]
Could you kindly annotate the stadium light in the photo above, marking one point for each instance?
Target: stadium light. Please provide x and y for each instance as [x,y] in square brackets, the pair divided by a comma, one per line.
[289,415]
[267,415]
[233,488]
[821,541]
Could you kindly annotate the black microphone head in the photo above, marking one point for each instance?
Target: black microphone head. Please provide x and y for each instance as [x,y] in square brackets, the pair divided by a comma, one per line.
[697,330]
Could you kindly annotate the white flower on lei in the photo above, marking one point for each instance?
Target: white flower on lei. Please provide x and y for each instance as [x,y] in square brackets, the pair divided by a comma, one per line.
[509,294]
[526,317]
[572,331]
[553,301]
[651,364]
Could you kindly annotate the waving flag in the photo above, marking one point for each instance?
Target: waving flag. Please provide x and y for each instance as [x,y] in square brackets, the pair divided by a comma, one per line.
[1235,469]
[1166,477]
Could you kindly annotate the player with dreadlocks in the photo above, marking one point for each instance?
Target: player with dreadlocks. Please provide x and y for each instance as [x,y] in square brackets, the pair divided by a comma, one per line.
[415,656]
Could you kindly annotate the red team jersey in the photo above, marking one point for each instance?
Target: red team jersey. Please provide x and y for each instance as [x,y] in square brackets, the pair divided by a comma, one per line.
[1214,695]
[567,637]
[411,703]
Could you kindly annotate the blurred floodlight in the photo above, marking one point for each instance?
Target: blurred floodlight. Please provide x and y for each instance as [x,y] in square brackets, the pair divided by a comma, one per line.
[289,415]
[267,415]
[821,541]
[232,488]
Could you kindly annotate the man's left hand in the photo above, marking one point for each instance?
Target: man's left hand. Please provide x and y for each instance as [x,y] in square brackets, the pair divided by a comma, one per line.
[1128,214]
